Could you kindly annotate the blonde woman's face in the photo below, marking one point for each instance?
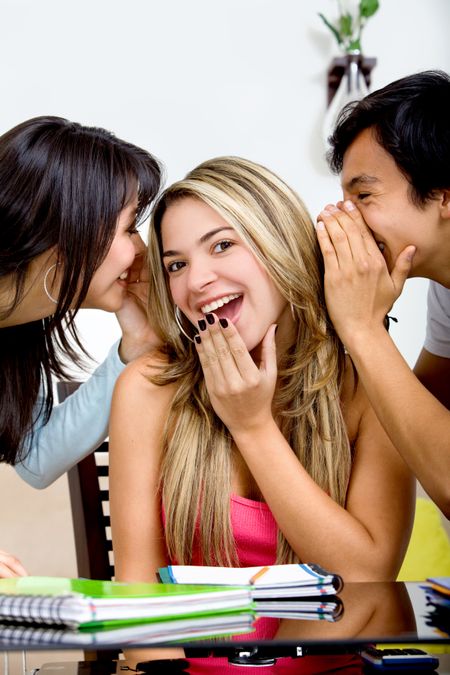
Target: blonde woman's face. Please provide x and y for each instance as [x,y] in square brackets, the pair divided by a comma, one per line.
[211,269]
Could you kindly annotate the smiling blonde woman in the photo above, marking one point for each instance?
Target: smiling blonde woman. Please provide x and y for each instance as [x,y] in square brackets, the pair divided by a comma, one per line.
[234,445]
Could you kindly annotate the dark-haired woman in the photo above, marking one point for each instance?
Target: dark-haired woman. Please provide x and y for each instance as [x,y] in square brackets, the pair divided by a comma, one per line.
[70,201]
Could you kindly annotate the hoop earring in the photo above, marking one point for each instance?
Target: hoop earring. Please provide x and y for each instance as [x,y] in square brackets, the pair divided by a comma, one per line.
[50,297]
[178,321]
[293,311]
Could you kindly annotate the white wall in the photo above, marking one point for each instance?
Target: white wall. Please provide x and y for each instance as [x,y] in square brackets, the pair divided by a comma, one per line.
[192,80]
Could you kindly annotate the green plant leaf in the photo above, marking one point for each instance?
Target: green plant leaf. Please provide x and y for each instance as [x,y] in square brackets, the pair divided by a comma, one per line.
[368,7]
[345,25]
[354,45]
[332,28]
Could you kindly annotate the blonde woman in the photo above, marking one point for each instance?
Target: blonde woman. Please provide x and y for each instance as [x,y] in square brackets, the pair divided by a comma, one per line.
[248,440]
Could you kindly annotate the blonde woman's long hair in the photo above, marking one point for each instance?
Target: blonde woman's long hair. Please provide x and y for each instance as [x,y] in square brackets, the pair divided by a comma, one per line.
[197,448]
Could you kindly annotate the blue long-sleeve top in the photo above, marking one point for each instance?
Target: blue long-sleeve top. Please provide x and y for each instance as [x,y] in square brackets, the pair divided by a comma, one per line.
[75,428]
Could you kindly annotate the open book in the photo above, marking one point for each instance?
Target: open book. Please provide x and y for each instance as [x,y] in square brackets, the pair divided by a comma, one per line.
[85,602]
[272,581]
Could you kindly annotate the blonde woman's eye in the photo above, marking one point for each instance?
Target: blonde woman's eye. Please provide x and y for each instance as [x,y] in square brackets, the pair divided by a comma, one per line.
[222,245]
[175,266]
[363,195]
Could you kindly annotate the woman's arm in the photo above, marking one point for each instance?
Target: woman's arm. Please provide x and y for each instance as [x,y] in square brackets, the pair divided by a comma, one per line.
[75,428]
[364,541]
[78,425]
[138,413]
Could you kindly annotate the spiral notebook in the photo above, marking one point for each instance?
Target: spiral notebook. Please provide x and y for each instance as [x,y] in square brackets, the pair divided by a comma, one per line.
[142,634]
[326,608]
[85,602]
[270,581]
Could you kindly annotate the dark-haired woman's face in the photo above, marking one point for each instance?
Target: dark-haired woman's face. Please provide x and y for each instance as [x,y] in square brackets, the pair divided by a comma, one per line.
[108,287]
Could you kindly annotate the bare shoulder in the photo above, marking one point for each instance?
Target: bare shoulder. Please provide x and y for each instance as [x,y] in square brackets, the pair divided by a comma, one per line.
[136,394]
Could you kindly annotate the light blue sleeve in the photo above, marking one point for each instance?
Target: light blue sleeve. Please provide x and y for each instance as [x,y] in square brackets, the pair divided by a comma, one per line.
[75,428]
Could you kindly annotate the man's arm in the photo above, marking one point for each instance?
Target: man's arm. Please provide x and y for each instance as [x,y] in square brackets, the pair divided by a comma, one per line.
[359,292]
[416,422]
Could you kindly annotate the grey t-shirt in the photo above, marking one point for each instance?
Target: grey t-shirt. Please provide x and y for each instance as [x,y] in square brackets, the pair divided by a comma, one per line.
[437,339]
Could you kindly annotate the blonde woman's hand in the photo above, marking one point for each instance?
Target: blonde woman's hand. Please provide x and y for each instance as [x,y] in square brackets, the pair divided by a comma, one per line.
[10,566]
[240,391]
[359,289]
[138,336]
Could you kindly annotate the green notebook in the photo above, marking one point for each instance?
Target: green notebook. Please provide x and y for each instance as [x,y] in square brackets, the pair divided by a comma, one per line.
[85,602]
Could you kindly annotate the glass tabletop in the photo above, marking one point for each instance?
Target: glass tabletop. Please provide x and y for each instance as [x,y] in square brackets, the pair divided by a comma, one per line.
[375,612]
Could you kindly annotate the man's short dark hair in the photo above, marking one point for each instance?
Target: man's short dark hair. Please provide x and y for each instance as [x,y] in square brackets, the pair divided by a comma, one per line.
[411,121]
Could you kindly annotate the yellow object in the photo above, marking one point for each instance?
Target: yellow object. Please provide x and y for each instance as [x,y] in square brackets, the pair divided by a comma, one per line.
[428,553]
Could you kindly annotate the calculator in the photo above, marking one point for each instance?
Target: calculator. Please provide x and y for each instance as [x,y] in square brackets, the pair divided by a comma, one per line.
[399,659]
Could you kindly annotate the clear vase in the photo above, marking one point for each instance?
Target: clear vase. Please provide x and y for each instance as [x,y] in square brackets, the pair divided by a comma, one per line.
[352,87]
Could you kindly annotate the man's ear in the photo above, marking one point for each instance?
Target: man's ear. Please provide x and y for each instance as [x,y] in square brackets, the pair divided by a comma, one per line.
[445,204]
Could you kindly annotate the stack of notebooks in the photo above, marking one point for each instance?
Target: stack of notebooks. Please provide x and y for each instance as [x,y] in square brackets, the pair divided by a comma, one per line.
[85,612]
[191,602]
[297,591]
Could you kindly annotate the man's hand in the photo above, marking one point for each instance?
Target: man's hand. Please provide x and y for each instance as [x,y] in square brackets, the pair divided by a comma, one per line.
[359,289]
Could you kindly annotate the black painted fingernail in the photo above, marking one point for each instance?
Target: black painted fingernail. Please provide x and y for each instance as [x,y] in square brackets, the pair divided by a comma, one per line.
[210,319]
[223,323]
[197,338]
[202,324]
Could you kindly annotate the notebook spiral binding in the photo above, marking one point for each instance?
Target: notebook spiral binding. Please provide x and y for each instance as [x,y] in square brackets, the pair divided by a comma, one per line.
[18,634]
[32,608]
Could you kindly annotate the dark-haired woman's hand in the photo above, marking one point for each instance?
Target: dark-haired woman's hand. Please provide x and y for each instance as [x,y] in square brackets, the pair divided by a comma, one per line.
[138,336]
[10,566]
[241,392]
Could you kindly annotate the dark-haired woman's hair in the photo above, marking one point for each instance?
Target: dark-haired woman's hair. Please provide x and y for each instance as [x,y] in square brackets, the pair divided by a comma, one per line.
[62,185]
[410,120]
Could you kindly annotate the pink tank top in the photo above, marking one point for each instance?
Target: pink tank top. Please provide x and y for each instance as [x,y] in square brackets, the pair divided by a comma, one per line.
[255,532]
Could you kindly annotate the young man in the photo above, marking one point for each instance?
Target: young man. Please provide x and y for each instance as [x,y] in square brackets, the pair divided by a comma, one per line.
[393,152]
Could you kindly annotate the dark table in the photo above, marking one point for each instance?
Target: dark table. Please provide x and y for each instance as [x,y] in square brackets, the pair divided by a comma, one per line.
[382,613]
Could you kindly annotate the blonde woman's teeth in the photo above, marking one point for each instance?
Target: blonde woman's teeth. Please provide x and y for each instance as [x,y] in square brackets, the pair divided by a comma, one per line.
[124,276]
[219,303]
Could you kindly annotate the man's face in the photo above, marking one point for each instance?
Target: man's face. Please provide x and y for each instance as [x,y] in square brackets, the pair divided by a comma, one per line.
[372,180]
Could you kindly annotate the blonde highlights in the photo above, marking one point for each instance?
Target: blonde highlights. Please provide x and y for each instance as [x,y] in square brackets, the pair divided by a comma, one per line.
[198,453]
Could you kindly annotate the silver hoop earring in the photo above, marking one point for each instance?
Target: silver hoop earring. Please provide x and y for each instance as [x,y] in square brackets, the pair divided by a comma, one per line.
[178,321]
[50,297]
[293,311]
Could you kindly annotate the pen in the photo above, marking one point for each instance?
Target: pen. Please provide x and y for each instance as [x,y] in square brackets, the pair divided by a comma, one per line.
[258,574]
